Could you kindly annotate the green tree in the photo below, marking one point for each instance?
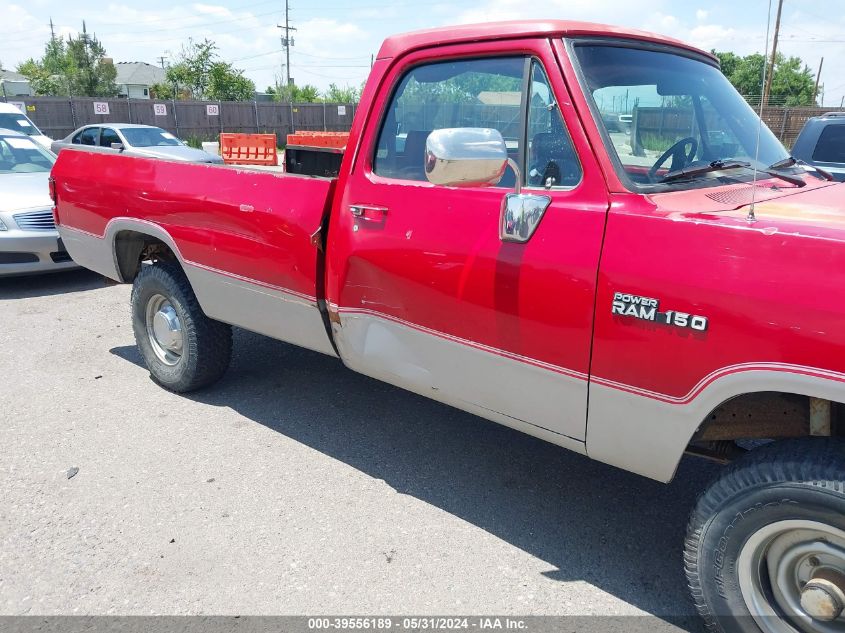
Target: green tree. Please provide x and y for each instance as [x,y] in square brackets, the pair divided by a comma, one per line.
[41,81]
[162,91]
[76,67]
[792,80]
[346,94]
[192,69]
[90,72]
[226,83]
[793,83]
[50,74]
[295,94]
[199,73]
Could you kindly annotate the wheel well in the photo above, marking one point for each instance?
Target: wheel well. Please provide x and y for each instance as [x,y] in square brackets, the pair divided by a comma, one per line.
[765,415]
[133,247]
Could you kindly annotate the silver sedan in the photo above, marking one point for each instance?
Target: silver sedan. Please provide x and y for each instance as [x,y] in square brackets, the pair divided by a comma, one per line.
[29,242]
[133,140]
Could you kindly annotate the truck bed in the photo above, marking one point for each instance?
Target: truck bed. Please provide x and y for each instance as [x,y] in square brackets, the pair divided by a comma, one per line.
[243,237]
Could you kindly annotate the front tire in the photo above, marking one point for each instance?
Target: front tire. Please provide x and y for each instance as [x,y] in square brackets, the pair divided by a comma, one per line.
[765,548]
[183,349]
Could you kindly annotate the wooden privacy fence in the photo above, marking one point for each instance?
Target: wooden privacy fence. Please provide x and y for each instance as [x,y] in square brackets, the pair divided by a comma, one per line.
[204,120]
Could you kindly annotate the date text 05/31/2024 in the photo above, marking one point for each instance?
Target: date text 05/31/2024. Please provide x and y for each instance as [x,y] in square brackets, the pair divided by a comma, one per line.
[647,309]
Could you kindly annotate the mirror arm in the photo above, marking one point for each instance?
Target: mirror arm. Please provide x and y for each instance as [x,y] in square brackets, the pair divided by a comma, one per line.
[518,174]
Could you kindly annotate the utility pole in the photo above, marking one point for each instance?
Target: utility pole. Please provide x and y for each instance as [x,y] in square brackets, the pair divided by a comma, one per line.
[52,31]
[287,41]
[161,59]
[818,76]
[768,87]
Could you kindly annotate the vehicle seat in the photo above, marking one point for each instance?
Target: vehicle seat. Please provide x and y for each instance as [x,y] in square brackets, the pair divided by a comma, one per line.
[552,156]
[411,163]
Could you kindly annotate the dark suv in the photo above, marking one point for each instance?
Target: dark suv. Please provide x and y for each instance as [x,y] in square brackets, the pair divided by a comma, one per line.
[822,143]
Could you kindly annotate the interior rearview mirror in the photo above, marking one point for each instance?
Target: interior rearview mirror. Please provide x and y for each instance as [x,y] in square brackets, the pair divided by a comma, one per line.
[465,157]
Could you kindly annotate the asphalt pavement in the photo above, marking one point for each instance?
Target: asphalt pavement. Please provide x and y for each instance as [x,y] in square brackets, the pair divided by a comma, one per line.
[295,486]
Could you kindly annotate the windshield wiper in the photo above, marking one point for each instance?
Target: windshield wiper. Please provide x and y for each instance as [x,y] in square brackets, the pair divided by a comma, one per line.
[722,165]
[697,170]
[791,161]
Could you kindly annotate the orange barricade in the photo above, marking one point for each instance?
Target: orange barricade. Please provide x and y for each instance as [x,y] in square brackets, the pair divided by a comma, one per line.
[334,140]
[248,149]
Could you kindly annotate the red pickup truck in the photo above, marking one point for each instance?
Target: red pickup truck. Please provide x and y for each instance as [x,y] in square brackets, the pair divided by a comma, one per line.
[579,231]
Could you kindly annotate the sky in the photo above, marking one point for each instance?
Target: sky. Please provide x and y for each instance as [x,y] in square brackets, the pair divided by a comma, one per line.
[335,39]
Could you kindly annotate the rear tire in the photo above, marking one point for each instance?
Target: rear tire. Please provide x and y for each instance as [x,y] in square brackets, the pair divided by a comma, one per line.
[768,529]
[183,349]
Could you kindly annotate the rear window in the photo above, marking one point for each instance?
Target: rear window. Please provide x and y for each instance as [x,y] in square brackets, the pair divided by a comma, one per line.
[831,145]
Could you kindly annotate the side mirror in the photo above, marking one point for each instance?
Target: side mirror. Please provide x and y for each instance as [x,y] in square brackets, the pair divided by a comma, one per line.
[469,157]
[465,157]
[117,146]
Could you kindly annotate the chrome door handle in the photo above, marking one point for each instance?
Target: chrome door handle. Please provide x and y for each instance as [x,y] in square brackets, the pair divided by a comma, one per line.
[367,211]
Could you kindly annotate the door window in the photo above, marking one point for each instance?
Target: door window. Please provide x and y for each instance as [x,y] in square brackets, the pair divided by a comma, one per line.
[552,160]
[109,136]
[484,93]
[88,136]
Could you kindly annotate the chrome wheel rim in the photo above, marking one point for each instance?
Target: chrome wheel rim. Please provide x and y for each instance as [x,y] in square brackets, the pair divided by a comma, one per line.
[164,330]
[792,577]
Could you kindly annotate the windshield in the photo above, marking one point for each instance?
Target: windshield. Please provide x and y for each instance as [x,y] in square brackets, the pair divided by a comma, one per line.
[18,123]
[662,112]
[19,155]
[149,137]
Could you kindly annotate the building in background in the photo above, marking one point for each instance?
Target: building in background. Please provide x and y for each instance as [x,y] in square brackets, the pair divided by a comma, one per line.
[14,84]
[134,79]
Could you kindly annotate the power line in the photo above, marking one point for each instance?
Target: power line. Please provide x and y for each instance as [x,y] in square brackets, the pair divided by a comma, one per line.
[330,57]
[281,50]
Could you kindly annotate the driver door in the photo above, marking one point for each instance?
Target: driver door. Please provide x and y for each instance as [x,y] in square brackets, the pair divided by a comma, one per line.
[423,292]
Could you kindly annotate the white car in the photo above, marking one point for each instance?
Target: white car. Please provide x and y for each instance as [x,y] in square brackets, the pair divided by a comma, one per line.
[131,139]
[29,242]
[11,118]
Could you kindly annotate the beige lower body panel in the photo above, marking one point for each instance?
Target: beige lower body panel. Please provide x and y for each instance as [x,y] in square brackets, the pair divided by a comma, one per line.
[535,400]
[648,433]
[90,251]
[268,311]
[271,311]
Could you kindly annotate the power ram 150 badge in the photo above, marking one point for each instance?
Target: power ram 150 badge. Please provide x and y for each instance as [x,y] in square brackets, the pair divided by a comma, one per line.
[647,309]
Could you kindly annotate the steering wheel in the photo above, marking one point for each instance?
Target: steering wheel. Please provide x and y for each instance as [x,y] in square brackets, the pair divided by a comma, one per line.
[680,158]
